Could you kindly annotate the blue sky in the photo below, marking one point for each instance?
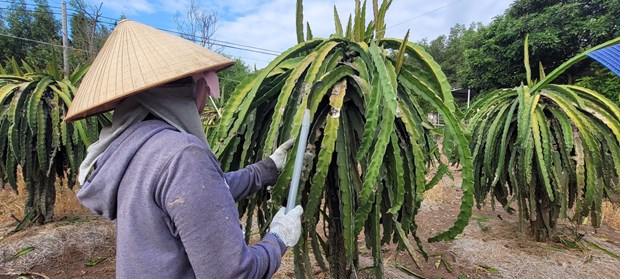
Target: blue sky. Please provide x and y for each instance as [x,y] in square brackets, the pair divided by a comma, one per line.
[270,24]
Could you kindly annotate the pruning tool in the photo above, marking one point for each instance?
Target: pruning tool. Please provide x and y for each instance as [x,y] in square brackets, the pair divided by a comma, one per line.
[299,160]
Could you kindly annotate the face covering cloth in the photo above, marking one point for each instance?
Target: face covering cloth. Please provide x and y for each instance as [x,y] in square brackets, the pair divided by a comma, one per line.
[174,104]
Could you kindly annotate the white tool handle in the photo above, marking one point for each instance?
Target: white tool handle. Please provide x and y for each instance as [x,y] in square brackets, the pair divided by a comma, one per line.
[299,161]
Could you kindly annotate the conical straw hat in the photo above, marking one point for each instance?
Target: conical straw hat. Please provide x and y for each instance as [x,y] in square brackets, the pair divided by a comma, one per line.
[134,58]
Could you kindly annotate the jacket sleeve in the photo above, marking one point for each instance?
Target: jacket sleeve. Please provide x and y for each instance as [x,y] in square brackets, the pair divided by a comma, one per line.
[252,178]
[203,214]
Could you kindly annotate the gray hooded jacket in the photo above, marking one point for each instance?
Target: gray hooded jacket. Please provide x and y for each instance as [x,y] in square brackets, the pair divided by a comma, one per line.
[175,208]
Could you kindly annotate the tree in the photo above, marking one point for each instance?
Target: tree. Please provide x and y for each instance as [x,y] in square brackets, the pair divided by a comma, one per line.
[17,21]
[371,141]
[436,48]
[229,79]
[448,52]
[232,76]
[12,26]
[31,33]
[198,26]
[557,29]
[88,33]
[34,136]
[553,148]
[604,81]
[45,28]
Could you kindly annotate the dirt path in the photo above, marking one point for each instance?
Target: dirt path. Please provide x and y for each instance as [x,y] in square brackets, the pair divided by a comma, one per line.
[490,247]
[493,246]
[60,250]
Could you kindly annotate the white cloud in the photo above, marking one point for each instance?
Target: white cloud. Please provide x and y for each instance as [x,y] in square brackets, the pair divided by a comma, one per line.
[430,19]
[237,7]
[127,7]
[271,24]
[138,7]
[173,6]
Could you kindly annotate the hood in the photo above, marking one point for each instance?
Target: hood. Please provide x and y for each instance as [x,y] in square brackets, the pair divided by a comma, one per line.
[174,104]
[99,192]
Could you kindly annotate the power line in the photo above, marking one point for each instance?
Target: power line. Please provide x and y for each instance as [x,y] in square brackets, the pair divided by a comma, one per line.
[248,58]
[211,41]
[53,13]
[257,48]
[28,4]
[37,5]
[227,42]
[72,48]
[42,42]
[26,10]
[418,16]
[426,13]
[241,48]
[227,45]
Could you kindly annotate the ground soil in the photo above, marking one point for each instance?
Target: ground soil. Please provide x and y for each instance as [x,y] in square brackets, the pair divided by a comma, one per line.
[79,245]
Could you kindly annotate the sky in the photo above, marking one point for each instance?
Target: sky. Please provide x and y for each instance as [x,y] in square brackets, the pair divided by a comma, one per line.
[270,24]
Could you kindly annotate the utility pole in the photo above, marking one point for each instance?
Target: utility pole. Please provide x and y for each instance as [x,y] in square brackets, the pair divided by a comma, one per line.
[65,40]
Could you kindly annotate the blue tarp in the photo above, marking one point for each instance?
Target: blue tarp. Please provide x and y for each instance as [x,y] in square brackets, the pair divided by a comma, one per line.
[609,56]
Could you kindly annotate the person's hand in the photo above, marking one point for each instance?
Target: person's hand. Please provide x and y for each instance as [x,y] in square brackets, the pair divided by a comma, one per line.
[287,226]
[279,156]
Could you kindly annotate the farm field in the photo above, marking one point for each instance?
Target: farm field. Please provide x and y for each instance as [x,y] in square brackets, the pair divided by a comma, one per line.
[525,101]
[79,244]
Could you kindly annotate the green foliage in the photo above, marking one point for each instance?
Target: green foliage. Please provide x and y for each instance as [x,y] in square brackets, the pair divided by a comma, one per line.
[36,25]
[553,149]
[372,142]
[20,253]
[603,81]
[87,33]
[229,79]
[448,52]
[557,29]
[33,34]
[299,22]
[34,136]
[488,57]
[91,263]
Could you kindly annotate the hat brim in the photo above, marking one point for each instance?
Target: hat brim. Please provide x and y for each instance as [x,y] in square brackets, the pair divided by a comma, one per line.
[135,58]
[109,105]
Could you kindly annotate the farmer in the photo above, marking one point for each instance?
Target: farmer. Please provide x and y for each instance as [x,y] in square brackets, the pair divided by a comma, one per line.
[153,172]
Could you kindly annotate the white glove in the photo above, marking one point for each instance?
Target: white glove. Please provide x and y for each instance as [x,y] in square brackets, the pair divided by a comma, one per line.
[287,227]
[279,156]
